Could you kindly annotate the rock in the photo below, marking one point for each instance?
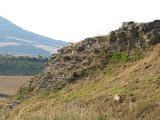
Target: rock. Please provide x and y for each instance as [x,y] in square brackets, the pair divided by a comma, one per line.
[11,105]
[48,73]
[96,51]
[81,56]
[86,62]
[134,35]
[68,59]
[118,98]
[79,48]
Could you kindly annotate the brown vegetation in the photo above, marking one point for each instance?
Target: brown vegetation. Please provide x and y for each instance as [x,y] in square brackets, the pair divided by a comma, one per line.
[90,93]
[93,97]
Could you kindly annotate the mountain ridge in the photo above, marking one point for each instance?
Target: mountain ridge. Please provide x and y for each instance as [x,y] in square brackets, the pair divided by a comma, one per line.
[17,36]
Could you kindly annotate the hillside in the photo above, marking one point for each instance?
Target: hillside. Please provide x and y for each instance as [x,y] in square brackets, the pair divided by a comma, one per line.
[22,65]
[112,77]
[16,41]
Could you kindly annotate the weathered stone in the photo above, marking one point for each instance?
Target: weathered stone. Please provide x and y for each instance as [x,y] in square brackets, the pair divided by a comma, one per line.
[134,35]
[118,98]
[61,65]
[79,48]
[11,105]
[66,58]
[77,57]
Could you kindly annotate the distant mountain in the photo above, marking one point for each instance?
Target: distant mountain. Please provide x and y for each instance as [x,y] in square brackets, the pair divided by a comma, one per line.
[16,41]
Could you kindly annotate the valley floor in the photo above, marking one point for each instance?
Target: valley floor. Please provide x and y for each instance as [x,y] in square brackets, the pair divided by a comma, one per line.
[9,85]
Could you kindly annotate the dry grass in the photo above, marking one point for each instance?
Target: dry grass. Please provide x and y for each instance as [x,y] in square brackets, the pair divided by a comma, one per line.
[137,82]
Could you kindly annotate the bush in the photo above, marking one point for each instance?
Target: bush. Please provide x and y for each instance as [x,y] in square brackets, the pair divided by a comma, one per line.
[119,57]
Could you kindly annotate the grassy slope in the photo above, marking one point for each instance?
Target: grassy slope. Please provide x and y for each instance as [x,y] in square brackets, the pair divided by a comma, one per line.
[137,81]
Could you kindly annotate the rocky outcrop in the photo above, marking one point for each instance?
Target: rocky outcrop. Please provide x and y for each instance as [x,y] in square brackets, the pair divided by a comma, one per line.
[69,64]
[134,35]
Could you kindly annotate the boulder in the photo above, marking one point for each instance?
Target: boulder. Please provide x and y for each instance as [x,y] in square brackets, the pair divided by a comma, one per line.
[118,98]
[134,35]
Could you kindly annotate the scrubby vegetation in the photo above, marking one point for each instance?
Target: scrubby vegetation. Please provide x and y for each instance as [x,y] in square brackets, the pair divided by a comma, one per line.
[120,57]
[10,65]
[92,97]
[86,78]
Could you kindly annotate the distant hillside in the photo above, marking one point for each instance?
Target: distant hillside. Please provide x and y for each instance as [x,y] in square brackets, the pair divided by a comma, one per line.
[10,65]
[16,41]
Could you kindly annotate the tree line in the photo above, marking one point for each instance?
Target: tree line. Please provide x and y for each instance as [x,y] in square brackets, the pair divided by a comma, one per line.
[22,65]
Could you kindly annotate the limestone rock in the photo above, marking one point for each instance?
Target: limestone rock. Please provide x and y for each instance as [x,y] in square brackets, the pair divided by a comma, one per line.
[61,65]
[79,56]
[117,98]
[134,35]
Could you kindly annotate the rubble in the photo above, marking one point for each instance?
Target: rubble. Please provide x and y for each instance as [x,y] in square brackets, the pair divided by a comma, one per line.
[134,35]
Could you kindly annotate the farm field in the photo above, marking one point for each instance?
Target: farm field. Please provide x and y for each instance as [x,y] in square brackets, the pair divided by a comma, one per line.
[10,84]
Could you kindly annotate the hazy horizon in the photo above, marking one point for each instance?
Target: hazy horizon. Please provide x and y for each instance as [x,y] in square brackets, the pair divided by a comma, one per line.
[72,20]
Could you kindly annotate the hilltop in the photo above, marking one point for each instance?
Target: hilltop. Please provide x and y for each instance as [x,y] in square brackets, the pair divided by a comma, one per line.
[113,77]
[17,41]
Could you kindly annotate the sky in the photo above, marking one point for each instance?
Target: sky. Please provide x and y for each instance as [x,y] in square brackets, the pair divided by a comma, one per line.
[75,20]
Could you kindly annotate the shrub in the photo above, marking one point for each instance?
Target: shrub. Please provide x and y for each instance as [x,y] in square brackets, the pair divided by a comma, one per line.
[119,57]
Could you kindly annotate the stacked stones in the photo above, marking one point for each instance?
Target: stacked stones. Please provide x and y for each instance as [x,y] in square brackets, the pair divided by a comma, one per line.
[134,35]
[75,57]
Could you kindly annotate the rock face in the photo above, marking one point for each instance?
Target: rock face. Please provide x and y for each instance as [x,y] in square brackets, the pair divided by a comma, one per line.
[69,64]
[72,62]
[134,35]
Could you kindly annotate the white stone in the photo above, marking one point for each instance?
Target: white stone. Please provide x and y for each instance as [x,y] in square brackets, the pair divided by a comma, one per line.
[117,97]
